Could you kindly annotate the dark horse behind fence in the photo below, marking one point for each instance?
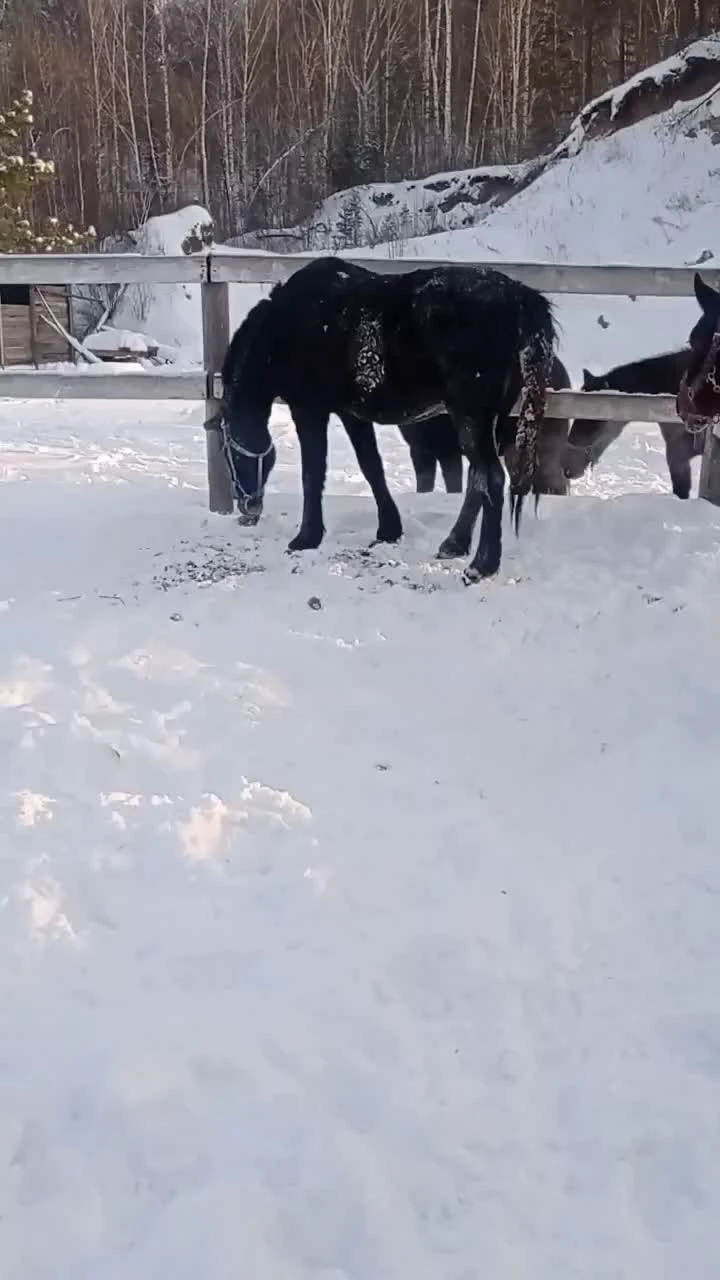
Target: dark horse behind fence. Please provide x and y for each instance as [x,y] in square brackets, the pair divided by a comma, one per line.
[698,400]
[388,348]
[435,443]
[653,376]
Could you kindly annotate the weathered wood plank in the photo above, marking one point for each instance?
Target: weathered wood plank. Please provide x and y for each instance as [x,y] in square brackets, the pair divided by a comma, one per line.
[45,385]
[614,406]
[101,268]
[550,277]
[190,385]
[248,268]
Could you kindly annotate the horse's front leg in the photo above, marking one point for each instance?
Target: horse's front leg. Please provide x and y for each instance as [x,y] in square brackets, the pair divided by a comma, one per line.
[364,442]
[312,432]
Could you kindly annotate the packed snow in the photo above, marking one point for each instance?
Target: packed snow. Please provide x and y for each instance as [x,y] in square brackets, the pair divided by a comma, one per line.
[356,925]
[112,343]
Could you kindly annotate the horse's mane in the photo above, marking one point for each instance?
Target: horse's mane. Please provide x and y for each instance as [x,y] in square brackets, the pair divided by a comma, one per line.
[286,297]
[244,339]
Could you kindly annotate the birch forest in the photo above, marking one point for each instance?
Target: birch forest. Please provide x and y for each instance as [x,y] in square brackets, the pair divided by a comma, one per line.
[259,108]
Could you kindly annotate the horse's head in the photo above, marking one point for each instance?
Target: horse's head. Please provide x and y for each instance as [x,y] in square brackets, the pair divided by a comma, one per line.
[698,400]
[248,394]
[588,438]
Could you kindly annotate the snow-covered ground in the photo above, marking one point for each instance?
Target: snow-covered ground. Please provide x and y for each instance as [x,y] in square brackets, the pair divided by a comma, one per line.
[366,941]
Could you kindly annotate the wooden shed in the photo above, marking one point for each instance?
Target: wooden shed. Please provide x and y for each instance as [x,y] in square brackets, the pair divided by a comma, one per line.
[32,321]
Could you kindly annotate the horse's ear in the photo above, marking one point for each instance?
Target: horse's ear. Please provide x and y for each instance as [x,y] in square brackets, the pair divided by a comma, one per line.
[589,382]
[708,298]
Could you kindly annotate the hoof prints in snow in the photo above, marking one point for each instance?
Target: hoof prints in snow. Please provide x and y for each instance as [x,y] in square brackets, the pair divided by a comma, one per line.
[208,566]
[218,567]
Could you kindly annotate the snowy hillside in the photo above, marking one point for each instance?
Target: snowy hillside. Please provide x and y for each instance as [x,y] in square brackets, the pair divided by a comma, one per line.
[392,212]
[645,192]
[649,193]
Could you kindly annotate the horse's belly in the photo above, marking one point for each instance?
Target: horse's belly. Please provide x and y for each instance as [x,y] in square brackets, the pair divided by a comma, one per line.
[400,404]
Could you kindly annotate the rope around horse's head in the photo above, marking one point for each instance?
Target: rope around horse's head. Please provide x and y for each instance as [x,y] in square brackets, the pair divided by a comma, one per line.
[705,382]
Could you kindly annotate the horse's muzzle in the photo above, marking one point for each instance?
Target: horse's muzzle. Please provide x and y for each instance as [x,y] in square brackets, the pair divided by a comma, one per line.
[576,462]
[249,509]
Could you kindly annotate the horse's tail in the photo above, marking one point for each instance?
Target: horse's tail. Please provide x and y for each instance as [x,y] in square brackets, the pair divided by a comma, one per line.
[537,340]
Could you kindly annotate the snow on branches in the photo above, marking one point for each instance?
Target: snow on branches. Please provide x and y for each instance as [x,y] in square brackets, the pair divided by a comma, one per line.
[22,170]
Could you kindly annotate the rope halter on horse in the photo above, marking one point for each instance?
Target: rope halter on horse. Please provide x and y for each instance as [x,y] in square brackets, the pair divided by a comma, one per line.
[231,449]
[695,415]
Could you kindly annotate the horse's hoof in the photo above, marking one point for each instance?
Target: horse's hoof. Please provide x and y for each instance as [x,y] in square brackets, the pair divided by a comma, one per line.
[247,521]
[389,528]
[305,542]
[452,549]
[479,570]
[472,576]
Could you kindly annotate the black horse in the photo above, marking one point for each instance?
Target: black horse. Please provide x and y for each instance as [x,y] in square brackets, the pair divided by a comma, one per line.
[435,443]
[698,400]
[654,376]
[392,348]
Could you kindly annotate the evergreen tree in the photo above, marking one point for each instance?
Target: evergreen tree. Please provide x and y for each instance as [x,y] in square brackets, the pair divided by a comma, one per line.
[22,170]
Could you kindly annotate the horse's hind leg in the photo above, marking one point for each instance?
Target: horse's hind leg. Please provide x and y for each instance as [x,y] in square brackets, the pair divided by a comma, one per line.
[312,434]
[449,454]
[459,538]
[551,450]
[364,442]
[490,474]
[485,488]
[421,456]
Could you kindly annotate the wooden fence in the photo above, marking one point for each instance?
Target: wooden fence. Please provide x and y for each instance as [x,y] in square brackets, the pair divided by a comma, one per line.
[214,272]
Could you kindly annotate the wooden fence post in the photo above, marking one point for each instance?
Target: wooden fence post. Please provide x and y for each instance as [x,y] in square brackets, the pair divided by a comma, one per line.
[216,337]
[709,486]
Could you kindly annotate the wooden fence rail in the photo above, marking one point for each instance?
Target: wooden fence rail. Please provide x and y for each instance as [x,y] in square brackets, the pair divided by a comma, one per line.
[215,271]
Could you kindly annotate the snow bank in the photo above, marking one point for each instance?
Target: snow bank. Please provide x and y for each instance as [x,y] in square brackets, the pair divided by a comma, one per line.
[646,195]
[389,212]
[170,312]
[112,341]
[670,74]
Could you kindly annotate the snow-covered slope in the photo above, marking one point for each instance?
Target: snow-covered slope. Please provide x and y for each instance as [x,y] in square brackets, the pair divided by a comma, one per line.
[369,941]
[393,212]
[647,193]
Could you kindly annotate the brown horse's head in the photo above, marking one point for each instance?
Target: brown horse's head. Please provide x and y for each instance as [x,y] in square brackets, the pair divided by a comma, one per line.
[698,400]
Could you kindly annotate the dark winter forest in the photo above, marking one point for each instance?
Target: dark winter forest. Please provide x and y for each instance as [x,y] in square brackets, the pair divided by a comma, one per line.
[259,108]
